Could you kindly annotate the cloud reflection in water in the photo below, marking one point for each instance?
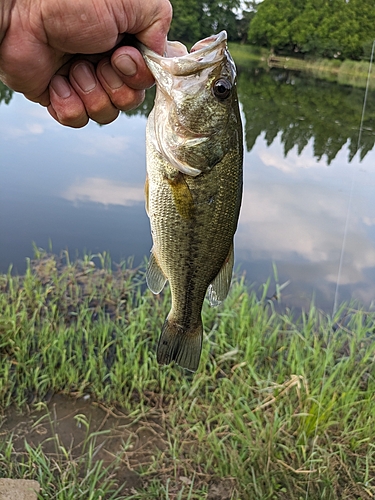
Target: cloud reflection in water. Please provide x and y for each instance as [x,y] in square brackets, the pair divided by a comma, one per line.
[104,191]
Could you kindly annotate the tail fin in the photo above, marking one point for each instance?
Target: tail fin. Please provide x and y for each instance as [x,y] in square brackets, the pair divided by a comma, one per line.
[183,347]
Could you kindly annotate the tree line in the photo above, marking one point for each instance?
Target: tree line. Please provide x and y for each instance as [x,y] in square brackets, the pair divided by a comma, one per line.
[341,29]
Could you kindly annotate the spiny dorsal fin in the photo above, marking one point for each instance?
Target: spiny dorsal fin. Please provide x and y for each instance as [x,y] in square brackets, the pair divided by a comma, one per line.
[154,275]
[219,288]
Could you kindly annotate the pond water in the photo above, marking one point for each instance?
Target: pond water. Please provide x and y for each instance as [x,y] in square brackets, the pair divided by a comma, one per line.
[307,190]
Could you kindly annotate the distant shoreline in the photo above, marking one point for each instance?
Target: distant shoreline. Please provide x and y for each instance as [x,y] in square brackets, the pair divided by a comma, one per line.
[347,72]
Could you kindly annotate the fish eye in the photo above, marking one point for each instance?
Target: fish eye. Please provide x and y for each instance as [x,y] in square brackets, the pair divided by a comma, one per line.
[222,88]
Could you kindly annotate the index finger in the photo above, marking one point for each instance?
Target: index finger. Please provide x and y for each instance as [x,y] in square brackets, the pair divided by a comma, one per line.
[128,62]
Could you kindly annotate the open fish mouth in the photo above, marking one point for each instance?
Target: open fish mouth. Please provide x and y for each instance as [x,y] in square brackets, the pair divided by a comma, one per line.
[179,62]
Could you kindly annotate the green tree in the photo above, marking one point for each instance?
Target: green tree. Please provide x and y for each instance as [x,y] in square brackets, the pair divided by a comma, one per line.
[243,24]
[186,24]
[272,24]
[220,15]
[197,19]
[364,12]
[328,28]
[338,31]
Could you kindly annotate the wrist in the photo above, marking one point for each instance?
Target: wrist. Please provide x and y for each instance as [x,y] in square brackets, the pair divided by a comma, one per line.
[5,10]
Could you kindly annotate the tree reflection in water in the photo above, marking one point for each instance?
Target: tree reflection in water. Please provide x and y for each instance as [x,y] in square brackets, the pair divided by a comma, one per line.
[303,109]
[5,94]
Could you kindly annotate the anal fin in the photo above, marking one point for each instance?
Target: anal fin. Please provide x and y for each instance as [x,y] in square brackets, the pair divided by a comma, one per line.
[219,288]
[155,277]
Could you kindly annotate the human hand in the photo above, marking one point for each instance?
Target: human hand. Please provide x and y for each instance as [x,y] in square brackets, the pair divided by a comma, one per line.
[60,54]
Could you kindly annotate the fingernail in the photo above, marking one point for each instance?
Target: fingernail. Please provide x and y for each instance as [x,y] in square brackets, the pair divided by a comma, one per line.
[84,77]
[111,77]
[61,86]
[126,65]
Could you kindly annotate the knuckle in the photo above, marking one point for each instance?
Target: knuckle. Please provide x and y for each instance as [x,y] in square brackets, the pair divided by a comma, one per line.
[128,100]
[105,119]
[73,119]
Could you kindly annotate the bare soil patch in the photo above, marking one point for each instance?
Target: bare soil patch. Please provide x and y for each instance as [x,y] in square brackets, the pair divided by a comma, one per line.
[71,423]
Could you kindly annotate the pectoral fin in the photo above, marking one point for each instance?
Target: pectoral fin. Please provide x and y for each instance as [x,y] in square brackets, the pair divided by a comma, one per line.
[219,288]
[154,275]
[182,196]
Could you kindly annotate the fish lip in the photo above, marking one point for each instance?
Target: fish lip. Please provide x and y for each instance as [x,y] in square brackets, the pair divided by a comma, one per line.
[217,40]
[191,62]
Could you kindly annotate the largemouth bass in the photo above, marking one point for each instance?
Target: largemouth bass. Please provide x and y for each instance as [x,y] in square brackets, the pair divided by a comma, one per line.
[193,187]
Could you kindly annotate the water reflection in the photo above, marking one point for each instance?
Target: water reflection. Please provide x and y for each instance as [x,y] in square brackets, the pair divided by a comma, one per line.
[299,107]
[295,215]
[303,109]
[83,189]
[105,191]
[5,94]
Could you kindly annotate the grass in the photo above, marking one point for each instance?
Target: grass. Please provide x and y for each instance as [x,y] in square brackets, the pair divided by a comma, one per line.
[353,73]
[62,477]
[280,408]
[248,55]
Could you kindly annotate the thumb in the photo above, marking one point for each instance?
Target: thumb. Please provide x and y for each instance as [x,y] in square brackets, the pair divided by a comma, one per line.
[153,31]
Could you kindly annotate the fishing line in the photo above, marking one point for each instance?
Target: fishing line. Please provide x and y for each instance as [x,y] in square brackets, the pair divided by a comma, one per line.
[352,188]
[342,253]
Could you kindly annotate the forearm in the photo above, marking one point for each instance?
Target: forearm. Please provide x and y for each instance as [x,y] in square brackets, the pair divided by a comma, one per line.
[5,9]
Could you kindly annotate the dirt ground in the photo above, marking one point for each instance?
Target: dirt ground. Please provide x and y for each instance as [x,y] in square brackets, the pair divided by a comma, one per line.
[18,489]
[136,442]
